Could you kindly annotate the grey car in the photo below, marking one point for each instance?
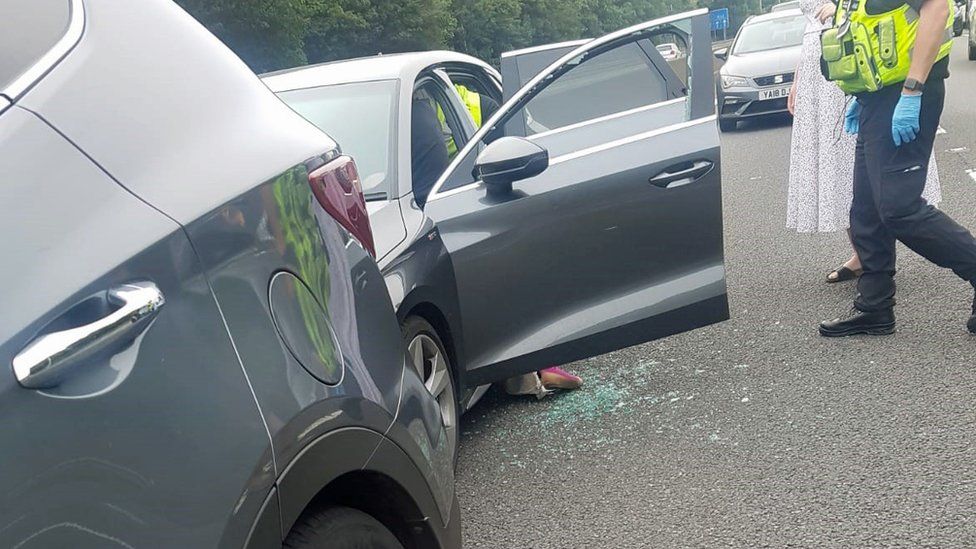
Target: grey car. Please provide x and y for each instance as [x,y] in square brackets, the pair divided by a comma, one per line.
[759,66]
[584,215]
[200,350]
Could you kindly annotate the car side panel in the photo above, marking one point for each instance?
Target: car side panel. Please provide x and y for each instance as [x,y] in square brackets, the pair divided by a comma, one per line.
[187,127]
[280,226]
[422,275]
[132,448]
[353,450]
[266,532]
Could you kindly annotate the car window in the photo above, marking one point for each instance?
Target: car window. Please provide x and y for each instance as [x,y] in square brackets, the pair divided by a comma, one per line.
[672,44]
[360,117]
[435,136]
[621,79]
[771,34]
[28,30]
[612,82]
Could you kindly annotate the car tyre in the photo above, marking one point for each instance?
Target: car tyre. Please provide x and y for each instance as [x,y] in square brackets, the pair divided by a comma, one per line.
[433,364]
[972,51]
[727,125]
[340,528]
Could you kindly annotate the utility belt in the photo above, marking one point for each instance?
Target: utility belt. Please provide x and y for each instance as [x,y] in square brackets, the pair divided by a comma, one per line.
[865,51]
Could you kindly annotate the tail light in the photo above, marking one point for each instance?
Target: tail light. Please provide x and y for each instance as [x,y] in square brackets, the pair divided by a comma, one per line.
[337,188]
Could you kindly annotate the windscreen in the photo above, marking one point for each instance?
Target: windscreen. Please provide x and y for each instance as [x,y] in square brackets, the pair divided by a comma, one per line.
[771,34]
[360,118]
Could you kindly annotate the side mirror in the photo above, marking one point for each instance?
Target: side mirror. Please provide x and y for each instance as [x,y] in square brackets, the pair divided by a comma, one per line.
[509,159]
[722,53]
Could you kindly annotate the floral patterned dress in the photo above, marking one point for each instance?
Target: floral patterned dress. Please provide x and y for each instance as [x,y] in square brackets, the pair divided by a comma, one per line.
[821,184]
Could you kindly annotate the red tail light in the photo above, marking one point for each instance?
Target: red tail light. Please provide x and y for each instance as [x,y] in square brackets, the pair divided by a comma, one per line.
[336,186]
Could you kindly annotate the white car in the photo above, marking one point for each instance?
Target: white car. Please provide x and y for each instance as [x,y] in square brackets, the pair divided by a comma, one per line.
[669,51]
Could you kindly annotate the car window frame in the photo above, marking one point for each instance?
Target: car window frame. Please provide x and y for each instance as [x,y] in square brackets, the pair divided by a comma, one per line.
[451,117]
[542,79]
[44,64]
[518,125]
[487,79]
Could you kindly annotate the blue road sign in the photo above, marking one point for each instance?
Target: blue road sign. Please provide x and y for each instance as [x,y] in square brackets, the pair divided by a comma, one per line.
[719,19]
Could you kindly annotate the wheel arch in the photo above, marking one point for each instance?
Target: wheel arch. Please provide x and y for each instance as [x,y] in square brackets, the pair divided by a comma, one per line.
[434,316]
[358,468]
[381,497]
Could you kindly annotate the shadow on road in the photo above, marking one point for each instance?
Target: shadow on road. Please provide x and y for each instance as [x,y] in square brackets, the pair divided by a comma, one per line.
[765,123]
[495,403]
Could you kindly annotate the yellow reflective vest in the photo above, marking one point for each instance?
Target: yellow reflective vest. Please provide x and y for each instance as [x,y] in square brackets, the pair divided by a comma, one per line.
[472,101]
[864,51]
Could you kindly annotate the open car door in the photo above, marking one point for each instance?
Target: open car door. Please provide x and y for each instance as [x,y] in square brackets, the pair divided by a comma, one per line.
[586,215]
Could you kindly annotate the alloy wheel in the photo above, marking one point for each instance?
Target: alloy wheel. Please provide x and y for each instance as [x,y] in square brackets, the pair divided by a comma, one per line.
[431,364]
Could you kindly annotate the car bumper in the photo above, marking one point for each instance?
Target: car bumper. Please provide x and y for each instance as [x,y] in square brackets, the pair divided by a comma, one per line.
[739,104]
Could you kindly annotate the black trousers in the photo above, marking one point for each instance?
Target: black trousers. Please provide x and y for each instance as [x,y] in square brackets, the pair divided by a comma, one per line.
[888,203]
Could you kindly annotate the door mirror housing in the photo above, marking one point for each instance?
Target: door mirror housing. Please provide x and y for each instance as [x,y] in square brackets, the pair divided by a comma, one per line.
[510,159]
[722,53]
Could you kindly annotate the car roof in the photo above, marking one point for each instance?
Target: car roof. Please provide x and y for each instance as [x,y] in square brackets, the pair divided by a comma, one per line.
[778,14]
[400,66]
[792,4]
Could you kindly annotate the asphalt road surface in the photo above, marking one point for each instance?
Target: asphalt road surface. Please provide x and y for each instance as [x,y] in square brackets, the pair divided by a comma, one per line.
[756,432]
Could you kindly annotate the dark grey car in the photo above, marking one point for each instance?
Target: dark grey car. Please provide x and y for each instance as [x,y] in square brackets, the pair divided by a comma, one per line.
[198,354]
[584,216]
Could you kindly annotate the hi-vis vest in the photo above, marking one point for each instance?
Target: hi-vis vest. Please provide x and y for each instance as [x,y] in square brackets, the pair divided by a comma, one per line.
[472,101]
[866,51]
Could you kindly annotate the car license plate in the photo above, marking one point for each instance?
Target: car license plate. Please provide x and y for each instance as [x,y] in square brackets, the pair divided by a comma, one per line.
[775,93]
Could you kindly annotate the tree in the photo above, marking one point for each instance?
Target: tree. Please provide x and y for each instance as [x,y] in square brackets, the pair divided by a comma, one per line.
[273,34]
[349,28]
[266,34]
[488,28]
[553,20]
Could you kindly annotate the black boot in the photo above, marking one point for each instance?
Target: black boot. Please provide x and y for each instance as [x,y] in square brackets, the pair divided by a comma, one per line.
[858,322]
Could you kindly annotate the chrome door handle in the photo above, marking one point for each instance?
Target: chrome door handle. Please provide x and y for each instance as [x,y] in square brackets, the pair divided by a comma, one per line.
[682,174]
[42,362]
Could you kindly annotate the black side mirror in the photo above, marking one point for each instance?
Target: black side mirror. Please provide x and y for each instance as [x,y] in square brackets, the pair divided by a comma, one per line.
[722,53]
[507,160]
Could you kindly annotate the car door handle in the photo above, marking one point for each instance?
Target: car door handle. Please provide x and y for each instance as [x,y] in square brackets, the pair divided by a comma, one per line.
[682,174]
[43,361]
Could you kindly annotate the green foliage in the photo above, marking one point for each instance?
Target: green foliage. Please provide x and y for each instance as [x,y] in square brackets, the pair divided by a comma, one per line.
[349,28]
[266,34]
[487,28]
[272,34]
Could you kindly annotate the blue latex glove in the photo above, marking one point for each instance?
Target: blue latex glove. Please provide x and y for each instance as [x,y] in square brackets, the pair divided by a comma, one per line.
[904,124]
[852,120]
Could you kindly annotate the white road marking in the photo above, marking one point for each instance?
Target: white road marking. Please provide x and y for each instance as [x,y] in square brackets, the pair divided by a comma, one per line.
[959,150]
[972,174]
[941,131]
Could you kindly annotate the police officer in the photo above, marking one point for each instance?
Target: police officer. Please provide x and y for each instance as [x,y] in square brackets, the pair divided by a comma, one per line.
[896,125]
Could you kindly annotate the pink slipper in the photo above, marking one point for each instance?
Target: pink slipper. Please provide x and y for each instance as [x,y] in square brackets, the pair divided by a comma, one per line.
[557,378]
